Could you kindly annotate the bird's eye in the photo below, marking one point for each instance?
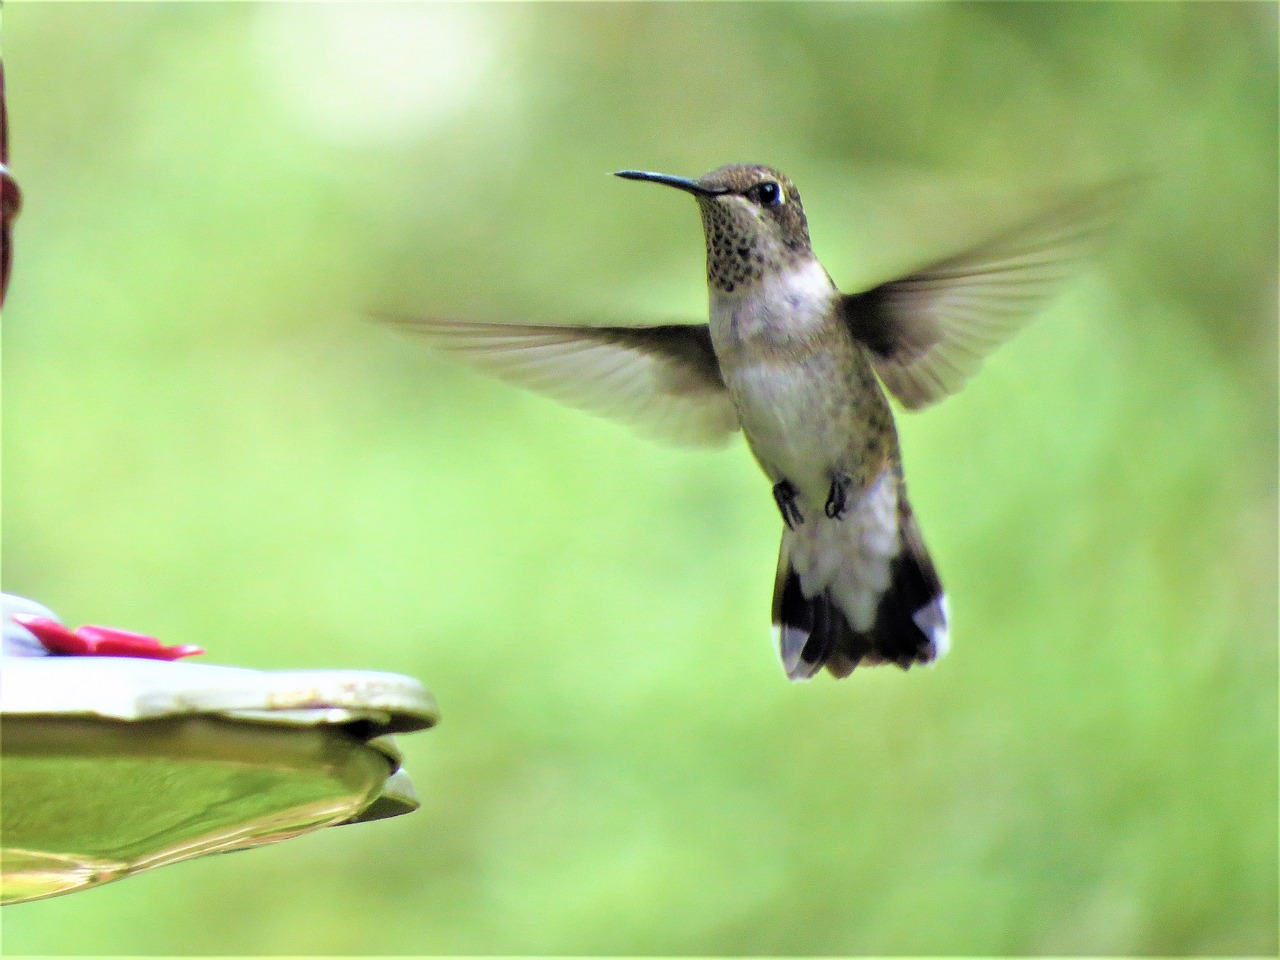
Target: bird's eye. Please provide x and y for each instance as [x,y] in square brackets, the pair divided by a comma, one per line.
[769,193]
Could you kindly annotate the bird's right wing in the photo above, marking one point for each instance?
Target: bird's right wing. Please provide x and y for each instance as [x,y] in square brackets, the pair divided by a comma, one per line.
[664,381]
[927,333]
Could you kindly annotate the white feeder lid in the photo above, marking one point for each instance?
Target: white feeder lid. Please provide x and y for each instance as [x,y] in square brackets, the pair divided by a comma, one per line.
[116,765]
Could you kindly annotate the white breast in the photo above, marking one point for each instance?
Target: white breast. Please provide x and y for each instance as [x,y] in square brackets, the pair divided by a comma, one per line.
[785,414]
[782,392]
[782,304]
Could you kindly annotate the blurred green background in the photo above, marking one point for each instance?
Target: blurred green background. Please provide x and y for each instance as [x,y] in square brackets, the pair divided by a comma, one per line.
[205,439]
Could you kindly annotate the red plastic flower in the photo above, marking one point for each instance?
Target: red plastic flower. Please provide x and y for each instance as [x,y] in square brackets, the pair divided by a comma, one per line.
[92,641]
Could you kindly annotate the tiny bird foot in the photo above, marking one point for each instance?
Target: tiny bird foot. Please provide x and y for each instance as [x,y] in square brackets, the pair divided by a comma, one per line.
[837,499]
[785,496]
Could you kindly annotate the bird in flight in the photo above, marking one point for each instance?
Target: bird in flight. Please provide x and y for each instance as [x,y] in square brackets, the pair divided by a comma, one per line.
[802,370]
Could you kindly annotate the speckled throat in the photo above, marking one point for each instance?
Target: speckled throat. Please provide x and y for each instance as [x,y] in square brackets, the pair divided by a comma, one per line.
[737,254]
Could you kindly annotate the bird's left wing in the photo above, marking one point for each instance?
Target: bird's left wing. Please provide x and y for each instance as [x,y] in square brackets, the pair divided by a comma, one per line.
[929,332]
[664,381]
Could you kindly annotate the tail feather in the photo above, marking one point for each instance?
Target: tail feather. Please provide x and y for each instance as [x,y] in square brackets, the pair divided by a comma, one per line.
[910,623]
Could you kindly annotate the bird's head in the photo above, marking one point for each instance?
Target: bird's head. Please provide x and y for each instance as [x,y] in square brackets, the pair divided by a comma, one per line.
[752,217]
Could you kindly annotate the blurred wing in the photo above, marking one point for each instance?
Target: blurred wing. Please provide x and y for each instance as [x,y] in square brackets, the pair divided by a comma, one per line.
[929,332]
[664,381]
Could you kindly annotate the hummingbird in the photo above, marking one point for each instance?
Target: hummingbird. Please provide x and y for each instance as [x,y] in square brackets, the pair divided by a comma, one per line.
[804,371]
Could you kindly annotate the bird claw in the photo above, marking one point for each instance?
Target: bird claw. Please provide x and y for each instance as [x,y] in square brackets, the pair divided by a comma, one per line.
[838,498]
[784,494]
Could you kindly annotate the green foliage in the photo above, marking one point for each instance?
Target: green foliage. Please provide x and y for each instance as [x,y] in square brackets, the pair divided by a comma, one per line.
[204,440]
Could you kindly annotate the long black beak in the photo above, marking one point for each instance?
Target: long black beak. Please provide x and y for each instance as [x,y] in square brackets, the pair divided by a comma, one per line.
[680,183]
